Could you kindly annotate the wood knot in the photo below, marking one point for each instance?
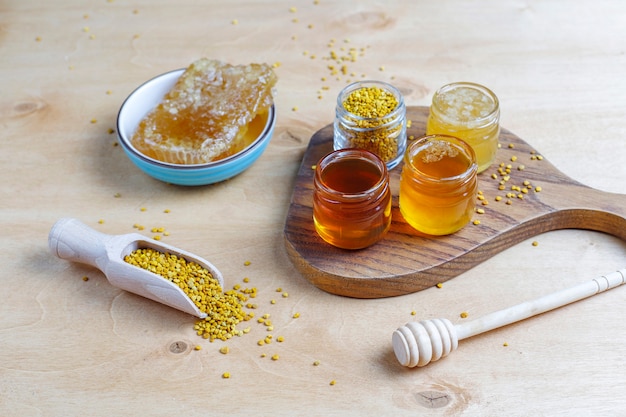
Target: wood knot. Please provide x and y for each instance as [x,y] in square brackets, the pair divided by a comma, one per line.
[369,20]
[25,108]
[432,399]
[178,347]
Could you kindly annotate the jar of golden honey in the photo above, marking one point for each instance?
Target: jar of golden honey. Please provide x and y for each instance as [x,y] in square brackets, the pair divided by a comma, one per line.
[470,112]
[371,115]
[351,198]
[438,184]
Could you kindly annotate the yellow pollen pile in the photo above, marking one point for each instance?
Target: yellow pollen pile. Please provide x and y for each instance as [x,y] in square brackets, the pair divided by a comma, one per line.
[504,175]
[224,309]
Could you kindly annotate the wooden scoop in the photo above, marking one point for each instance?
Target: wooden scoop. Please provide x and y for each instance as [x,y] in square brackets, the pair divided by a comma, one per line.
[407,261]
[72,240]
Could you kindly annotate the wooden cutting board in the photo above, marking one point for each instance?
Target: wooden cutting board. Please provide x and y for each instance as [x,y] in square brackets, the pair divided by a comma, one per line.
[407,261]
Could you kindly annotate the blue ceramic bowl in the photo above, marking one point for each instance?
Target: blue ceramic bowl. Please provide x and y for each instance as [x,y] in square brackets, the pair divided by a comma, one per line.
[148,96]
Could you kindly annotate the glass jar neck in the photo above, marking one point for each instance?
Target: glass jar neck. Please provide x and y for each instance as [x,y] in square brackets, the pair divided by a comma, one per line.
[457,185]
[376,171]
[451,95]
[391,117]
[451,185]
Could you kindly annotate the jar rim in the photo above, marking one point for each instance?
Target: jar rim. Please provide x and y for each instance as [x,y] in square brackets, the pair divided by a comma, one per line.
[400,107]
[336,156]
[466,175]
[493,114]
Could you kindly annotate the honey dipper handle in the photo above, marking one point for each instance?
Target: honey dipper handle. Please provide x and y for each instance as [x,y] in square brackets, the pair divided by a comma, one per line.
[540,305]
[74,241]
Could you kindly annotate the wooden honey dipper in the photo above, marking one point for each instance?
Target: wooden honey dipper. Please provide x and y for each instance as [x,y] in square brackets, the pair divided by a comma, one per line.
[419,343]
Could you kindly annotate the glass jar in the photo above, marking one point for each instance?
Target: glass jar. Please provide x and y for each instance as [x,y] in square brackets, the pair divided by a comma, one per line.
[371,115]
[470,112]
[438,184]
[351,198]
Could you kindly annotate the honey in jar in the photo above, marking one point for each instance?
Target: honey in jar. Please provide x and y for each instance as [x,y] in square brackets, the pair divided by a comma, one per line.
[351,198]
[438,184]
[470,112]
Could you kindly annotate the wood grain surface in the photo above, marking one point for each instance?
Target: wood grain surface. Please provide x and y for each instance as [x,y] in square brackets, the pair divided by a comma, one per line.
[71,344]
[406,260]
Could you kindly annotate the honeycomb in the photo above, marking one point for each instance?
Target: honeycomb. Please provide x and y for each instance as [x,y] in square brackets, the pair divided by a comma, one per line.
[212,112]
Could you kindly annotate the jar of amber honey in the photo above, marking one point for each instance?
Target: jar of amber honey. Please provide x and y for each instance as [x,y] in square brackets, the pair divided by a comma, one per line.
[351,198]
[438,184]
[470,112]
[371,115]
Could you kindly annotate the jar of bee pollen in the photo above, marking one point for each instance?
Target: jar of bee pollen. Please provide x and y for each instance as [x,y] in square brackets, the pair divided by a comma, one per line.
[351,199]
[371,115]
[470,112]
[438,184]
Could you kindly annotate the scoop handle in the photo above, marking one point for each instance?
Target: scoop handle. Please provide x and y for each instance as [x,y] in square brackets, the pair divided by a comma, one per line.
[72,240]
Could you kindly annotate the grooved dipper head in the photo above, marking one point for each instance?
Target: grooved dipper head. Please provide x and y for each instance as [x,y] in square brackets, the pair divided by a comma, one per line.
[419,343]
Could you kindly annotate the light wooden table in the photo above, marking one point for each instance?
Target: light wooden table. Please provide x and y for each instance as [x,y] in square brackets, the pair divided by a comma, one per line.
[72,347]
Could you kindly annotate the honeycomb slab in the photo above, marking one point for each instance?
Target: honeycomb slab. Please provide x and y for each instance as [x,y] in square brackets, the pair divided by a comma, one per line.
[213,111]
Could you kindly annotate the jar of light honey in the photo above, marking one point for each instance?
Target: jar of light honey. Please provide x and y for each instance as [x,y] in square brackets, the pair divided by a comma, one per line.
[371,115]
[438,184]
[351,198]
[470,112]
